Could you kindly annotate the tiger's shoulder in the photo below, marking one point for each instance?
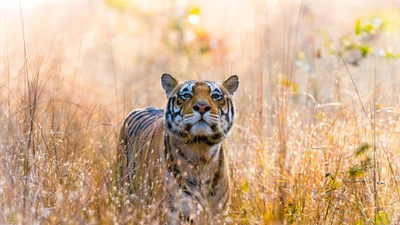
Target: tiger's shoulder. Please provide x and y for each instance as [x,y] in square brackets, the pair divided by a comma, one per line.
[142,126]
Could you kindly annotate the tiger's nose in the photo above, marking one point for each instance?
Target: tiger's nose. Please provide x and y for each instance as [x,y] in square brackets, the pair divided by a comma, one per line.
[201,107]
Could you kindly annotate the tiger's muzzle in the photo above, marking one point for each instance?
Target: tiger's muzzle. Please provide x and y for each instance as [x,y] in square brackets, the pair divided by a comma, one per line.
[201,123]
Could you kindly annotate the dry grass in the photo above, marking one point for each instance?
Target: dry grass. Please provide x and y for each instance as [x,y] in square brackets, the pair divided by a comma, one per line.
[316,138]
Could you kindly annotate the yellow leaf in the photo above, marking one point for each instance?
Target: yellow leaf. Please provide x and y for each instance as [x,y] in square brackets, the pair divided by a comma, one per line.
[245,186]
[194,11]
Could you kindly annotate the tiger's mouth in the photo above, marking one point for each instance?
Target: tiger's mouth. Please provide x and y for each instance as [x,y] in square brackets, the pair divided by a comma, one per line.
[201,120]
[200,128]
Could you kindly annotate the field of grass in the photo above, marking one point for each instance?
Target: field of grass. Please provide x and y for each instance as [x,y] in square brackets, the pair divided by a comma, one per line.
[316,139]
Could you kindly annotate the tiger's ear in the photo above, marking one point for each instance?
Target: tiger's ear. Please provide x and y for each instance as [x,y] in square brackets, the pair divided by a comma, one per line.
[231,84]
[168,83]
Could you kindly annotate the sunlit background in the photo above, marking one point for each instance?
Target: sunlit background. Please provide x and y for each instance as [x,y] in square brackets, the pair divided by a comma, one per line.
[316,138]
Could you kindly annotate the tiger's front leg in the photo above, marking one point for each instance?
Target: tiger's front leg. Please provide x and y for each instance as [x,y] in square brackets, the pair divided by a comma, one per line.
[183,205]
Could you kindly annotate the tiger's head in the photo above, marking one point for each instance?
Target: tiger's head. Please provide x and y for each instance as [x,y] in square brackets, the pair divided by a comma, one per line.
[199,111]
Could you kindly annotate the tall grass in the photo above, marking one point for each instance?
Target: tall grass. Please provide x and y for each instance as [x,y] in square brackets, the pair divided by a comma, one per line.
[310,146]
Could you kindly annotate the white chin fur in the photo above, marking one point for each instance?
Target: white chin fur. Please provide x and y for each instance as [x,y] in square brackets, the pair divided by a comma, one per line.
[201,128]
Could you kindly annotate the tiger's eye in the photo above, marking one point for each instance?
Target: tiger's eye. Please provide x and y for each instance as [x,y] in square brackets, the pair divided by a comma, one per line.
[216,96]
[186,96]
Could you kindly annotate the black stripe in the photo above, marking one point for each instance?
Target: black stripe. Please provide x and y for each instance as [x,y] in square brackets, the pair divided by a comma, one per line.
[216,136]
[204,139]
[182,154]
[232,108]
[186,218]
[191,194]
[204,159]
[170,106]
[228,128]
[224,192]
[133,114]
[138,124]
[171,202]
[188,127]
[223,102]
[186,191]
[169,125]
[177,113]
[179,133]
[192,182]
[217,174]
[222,112]
[185,89]
[228,108]
[130,121]
[138,113]
[225,203]
[215,152]
[134,122]
[144,124]
[166,146]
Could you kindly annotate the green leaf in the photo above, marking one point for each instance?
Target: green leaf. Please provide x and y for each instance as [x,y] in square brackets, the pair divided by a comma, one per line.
[368,28]
[364,49]
[291,211]
[362,149]
[361,222]
[331,184]
[382,218]
[358,26]
[356,172]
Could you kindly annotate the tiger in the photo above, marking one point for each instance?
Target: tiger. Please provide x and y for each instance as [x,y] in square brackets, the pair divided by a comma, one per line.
[175,156]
